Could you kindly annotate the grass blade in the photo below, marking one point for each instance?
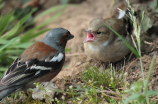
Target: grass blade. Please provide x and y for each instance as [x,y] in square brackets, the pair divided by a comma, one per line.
[12,32]
[10,42]
[127,44]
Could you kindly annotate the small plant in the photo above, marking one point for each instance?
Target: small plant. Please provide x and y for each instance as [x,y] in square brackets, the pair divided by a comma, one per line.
[98,87]
[109,78]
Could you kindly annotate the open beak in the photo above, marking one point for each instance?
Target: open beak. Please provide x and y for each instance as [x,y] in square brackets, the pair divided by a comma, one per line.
[90,36]
[88,31]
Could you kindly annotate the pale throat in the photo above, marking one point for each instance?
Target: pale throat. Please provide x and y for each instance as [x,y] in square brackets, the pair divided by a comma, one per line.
[100,43]
[106,43]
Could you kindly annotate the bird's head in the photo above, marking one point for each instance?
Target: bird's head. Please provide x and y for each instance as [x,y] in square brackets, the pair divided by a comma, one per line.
[97,31]
[57,36]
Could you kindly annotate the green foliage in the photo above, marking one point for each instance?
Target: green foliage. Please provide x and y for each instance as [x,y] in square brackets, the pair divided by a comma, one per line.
[109,78]
[97,87]
[154,5]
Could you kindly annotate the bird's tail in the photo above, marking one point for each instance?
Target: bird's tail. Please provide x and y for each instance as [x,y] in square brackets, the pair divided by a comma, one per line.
[7,91]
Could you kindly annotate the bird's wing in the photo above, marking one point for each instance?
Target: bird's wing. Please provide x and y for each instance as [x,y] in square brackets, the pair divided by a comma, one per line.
[19,73]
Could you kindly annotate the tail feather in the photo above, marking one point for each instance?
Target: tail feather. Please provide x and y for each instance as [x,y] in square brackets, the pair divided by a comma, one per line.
[6,92]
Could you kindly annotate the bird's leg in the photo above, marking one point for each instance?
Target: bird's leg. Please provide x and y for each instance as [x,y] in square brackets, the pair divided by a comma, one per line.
[130,56]
[97,64]
[119,64]
[101,64]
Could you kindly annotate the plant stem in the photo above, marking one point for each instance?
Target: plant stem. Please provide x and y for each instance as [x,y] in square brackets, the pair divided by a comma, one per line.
[148,77]
[141,65]
[150,69]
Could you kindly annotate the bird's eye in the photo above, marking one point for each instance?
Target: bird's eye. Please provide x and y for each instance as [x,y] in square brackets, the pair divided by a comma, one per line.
[98,32]
[67,36]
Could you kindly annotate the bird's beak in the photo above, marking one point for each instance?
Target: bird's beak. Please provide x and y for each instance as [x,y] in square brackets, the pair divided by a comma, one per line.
[88,31]
[71,36]
[90,36]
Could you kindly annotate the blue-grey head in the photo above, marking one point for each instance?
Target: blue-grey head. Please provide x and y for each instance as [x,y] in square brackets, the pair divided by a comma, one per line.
[57,38]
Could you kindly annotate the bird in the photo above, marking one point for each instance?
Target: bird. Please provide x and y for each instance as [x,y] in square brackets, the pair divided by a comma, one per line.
[102,44]
[40,62]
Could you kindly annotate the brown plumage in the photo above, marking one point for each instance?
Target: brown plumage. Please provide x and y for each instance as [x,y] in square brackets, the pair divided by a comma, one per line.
[102,44]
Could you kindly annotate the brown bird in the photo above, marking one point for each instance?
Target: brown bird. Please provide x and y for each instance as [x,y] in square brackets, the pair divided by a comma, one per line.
[104,45]
[40,62]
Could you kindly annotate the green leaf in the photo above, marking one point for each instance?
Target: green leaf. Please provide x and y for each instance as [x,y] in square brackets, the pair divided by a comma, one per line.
[15,52]
[26,37]
[10,42]
[132,97]
[144,19]
[150,93]
[153,4]
[12,32]
[46,22]
[21,45]
[23,20]
[3,41]
[67,49]
[50,10]
[127,44]
[13,57]
[2,69]
[5,21]
[2,5]
[149,73]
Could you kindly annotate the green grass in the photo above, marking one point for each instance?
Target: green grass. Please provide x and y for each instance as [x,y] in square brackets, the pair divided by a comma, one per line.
[109,77]
[97,87]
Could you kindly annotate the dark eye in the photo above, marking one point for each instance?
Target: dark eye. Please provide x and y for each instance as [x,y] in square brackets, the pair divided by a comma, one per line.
[98,32]
[67,36]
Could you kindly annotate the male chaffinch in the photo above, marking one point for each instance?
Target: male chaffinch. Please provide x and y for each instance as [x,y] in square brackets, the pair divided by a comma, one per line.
[40,62]
[104,45]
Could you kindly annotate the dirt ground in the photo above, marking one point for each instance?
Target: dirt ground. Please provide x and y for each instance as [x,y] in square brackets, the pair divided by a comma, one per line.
[76,18]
